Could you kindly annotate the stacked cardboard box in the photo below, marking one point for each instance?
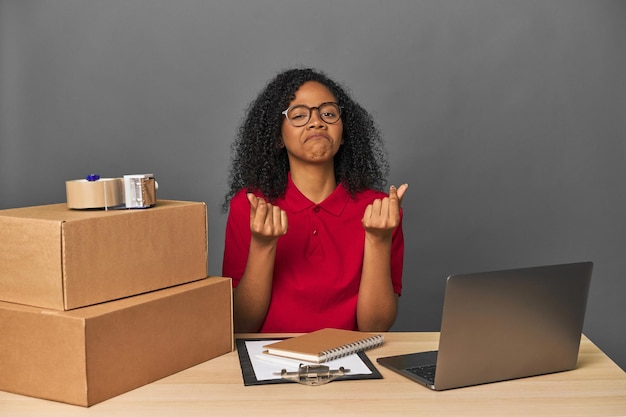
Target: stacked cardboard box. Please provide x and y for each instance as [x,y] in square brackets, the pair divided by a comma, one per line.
[95,303]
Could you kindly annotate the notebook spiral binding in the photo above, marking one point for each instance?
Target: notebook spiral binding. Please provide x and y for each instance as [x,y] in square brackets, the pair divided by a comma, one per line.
[338,352]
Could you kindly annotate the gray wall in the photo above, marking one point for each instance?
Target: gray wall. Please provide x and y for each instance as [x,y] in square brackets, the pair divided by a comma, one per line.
[507,118]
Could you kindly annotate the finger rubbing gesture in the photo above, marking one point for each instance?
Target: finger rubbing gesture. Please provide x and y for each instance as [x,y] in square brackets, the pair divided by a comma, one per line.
[382,216]
[267,221]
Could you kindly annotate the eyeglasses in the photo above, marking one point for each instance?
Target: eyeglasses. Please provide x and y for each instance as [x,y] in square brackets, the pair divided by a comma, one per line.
[300,115]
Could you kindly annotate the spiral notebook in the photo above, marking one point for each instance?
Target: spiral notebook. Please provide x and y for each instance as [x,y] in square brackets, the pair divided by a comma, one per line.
[324,345]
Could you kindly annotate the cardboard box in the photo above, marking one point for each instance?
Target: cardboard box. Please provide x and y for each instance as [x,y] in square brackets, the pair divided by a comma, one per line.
[88,355]
[54,257]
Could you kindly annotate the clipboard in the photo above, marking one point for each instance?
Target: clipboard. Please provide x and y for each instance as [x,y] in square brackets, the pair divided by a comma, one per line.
[248,360]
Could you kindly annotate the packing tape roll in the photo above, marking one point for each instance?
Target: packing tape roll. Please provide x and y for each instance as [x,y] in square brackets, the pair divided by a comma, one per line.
[102,193]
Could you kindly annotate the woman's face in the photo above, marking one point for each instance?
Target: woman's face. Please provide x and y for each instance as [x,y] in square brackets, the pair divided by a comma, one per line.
[317,141]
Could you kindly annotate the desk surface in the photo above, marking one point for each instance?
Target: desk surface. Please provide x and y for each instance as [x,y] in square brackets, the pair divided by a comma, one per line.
[596,387]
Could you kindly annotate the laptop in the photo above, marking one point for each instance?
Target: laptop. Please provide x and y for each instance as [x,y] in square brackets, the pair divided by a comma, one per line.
[502,325]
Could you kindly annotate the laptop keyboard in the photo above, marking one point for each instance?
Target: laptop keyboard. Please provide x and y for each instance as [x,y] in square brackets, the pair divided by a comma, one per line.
[427,372]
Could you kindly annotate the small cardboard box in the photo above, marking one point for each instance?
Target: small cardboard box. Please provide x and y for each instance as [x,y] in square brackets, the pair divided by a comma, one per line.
[58,258]
[90,354]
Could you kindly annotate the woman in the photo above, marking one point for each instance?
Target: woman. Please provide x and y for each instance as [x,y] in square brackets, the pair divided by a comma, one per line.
[310,241]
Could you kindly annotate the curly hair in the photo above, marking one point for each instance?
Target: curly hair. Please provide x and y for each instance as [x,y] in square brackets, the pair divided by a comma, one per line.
[259,164]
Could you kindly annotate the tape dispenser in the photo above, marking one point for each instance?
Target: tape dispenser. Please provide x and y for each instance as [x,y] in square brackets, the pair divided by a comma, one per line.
[130,192]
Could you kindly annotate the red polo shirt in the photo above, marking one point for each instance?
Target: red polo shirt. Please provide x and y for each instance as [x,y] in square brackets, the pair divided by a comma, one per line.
[318,262]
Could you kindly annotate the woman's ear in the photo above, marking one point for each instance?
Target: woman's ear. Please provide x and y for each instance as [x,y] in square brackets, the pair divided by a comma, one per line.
[280,143]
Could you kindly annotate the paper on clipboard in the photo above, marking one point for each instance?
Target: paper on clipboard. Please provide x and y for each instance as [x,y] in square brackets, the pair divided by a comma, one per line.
[265,366]
[257,371]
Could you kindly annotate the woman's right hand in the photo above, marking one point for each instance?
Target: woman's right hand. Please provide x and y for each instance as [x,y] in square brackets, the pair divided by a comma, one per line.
[267,222]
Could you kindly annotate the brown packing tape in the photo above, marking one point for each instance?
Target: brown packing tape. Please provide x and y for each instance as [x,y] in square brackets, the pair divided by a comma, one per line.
[148,191]
[105,192]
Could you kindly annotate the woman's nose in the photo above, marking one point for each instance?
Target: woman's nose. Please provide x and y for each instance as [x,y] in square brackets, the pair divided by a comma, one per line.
[316,119]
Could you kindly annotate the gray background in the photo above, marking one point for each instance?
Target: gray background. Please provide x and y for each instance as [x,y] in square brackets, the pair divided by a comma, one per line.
[507,118]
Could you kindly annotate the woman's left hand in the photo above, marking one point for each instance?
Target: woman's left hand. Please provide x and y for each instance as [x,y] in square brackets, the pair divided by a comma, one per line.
[382,216]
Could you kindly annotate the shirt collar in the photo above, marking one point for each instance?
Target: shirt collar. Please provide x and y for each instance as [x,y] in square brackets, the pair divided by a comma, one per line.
[334,203]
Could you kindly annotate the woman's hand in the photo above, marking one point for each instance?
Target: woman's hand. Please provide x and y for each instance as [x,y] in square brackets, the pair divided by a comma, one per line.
[383,215]
[251,298]
[267,222]
[377,305]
